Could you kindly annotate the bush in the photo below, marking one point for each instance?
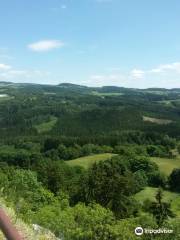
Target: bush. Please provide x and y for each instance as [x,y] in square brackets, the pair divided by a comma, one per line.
[78,223]
[158,151]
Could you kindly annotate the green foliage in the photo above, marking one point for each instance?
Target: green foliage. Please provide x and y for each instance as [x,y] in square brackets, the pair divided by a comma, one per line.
[91,222]
[166,165]
[110,184]
[158,151]
[147,195]
[23,184]
[178,148]
[46,126]
[160,210]
[150,170]
[19,157]
[89,129]
[157,179]
[88,161]
[130,150]
[174,180]
[140,179]
[51,143]
[57,175]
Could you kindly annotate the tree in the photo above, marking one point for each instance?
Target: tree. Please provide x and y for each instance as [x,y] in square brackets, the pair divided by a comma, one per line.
[157,179]
[110,184]
[160,210]
[51,143]
[77,223]
[142,163]
[150,169]
[178,148]
[58,176]
[140,180]
[174,180]
[25,184]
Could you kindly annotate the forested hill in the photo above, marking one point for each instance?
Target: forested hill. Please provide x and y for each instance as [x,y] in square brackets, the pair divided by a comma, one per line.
[90,158]
[73,110]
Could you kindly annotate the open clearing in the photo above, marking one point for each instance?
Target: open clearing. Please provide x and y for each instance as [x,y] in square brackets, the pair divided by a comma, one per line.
[86,162]
[5,97]
[157,92]
[46,126]
[149,194]
[104,94]
[166,165]
[157,120]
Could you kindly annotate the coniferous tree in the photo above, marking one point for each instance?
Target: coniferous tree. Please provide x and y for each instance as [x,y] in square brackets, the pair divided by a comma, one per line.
[160,210]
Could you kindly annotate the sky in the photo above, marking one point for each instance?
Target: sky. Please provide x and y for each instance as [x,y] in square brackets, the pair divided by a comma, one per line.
[129,43]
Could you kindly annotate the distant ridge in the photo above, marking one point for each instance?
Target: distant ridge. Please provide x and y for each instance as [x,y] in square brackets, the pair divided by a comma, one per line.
[102,89]
[71,85]
[4,82]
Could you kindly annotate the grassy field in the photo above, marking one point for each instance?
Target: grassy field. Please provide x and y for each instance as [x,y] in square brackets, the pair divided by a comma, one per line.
[46,126]
[157,120]
[86,162]
[166,165]
[102,94]
[149,193]
[5,97]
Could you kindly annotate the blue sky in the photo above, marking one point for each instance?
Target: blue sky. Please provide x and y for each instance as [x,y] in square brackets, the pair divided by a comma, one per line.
[130,43]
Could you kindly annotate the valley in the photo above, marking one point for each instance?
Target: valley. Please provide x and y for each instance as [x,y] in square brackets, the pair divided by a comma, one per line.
[92,158]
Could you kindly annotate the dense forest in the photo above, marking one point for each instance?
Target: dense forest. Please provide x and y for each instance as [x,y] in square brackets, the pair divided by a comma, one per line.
[91,163]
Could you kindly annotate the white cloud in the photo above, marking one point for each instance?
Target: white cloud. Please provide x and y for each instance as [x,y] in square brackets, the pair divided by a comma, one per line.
[8,73]
[4,66]
[105,79]
[45,45]
[137,73]
[166,67]
[164,75]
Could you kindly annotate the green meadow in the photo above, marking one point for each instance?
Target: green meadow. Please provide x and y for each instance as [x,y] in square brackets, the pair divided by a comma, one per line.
[166,165]
[86,162]
[46,126]
[149,194]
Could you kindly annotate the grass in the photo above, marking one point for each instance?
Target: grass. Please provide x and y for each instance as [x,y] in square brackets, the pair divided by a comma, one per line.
[158,92]
[103,94]
[86,162]
[166,103]
[149,194]
[166,165]
[46,126]
[5,97]
[169,103]
[157,120]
